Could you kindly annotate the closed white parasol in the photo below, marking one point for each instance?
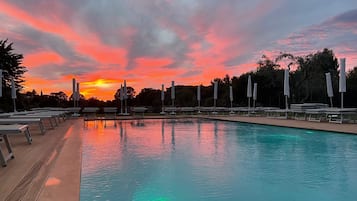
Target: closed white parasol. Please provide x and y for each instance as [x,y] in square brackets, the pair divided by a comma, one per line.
[329,87]
[342,80]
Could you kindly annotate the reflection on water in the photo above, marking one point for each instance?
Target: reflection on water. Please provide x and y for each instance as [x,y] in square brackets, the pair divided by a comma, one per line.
[173,135]
[211,160]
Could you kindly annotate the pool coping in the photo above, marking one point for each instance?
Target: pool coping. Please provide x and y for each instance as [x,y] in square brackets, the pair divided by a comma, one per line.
[63,181]
[290,123]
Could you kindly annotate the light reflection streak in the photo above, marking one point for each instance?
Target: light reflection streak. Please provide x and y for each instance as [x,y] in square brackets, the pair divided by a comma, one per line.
[173,135]
[163,132]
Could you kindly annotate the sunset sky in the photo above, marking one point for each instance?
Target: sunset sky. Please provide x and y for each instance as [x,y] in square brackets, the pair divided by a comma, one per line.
[151,42]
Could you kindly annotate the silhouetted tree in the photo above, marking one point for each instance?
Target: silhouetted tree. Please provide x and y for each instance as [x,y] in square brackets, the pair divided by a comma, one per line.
[130,93]
[59,95]
[11,64]
[351,88]
[270,82]
[149,97]
[309,83]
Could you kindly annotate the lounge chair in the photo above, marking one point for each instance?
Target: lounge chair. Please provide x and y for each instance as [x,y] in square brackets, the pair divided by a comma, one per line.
[316,115]
[208,110]
[171,110]
[52,119]
[189,110]
[7,121]
[307,111]
[74,111]
[4,115]
[278,113]
[139,110]
[10,155]
[15,129]
[90,113]
[245,111]
[340,115]
[110,113]
[222,109]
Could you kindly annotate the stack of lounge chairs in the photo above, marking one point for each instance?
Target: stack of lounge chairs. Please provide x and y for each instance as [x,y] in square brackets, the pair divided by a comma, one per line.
[333,115]
[16,123]
[316,112]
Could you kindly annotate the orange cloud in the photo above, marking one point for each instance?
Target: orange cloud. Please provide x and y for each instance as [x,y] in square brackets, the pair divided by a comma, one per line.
[51,25]
[103,54]
[99,83]
[87,44]
[42,58]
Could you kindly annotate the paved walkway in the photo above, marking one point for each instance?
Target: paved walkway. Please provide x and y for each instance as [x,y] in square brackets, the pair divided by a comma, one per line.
[30,172]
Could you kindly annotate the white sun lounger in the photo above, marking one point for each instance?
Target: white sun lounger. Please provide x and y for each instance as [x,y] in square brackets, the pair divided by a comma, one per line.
[340,115]
[14,129]
[333,115]
[278,113]
[110,113]
[90,113]
[4,115]
[51,118]
[213,110]
[6,121]
[74,111]
[10,155]
[187,110]
[171,110]
[316,115]
[139,110]
[55,114]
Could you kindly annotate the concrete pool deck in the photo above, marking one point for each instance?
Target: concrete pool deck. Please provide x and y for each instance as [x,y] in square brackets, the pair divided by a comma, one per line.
[50,168]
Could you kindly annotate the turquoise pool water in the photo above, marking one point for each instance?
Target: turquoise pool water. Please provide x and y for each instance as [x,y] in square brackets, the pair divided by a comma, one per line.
[202,160]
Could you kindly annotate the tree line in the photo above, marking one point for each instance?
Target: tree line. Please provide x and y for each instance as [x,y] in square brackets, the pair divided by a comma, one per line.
[307,84]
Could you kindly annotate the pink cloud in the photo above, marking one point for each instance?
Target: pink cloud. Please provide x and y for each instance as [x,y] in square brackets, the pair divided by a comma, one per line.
[42,58]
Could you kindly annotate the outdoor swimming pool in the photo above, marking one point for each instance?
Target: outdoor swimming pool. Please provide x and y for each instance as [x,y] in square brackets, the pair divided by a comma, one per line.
[194,160]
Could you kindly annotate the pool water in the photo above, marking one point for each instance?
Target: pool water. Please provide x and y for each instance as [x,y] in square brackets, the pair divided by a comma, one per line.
[204,160]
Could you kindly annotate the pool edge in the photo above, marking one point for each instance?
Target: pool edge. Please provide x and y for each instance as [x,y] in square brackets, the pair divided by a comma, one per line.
[63,182]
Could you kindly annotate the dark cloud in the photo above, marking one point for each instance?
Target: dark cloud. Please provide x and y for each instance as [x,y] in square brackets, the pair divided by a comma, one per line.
[191,73]
[338,33]
[349,17]
[55,71]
